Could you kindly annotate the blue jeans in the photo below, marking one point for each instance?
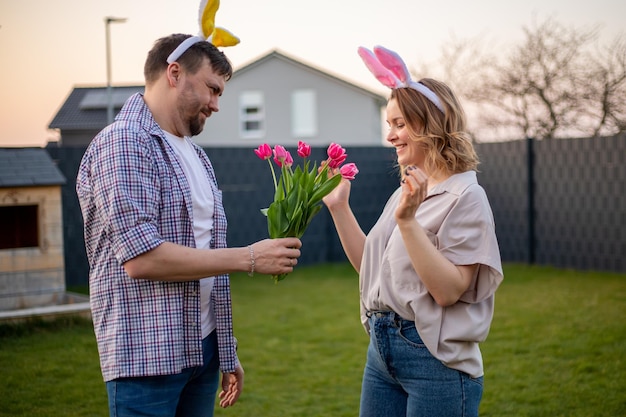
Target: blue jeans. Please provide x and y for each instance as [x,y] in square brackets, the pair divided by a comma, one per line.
[403,379]
[190,393]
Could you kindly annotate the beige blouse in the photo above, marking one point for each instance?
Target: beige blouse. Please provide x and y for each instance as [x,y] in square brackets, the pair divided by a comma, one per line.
[457,217]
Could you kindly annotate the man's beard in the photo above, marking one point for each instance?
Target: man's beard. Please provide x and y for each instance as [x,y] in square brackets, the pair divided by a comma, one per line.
[195,126]
[194,122]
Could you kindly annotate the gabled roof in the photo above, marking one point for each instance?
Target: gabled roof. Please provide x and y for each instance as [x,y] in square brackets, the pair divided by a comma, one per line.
[23,167]
[86,107]
[277,54]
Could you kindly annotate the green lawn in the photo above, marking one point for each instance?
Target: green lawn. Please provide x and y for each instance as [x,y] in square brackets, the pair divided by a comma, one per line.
[556,348]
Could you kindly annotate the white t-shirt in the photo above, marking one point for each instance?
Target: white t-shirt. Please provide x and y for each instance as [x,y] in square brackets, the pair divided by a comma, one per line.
[202,218]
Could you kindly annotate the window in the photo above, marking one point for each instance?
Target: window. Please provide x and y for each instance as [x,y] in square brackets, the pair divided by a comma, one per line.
[251,115]
[20,227]
[303,114]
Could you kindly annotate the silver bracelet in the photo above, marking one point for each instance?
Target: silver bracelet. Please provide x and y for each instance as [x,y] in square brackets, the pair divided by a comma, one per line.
[252,261]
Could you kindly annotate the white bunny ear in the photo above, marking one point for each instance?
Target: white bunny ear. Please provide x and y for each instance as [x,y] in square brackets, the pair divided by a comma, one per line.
[392,61]
[382,74]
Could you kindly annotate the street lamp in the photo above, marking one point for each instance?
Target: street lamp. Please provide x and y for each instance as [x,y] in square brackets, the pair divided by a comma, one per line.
[107,21]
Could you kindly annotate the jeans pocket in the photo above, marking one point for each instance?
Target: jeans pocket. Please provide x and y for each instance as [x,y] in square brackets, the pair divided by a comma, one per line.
[409,334]
[478,381]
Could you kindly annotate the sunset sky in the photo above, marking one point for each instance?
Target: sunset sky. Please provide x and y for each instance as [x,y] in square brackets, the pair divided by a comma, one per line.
[48,47]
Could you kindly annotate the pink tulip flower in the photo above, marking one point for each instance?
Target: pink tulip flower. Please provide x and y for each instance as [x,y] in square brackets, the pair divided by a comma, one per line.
[337,155]
[304,149]
[281,155]
[336,163]
[349,171]
[288,160]
[263,151]
[335,151]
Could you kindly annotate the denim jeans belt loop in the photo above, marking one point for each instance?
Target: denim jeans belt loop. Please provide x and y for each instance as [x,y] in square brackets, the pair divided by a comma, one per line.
[384,313]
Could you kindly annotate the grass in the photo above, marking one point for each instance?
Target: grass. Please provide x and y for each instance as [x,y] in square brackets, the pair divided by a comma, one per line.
[556,348]
[50,369]
[557,345]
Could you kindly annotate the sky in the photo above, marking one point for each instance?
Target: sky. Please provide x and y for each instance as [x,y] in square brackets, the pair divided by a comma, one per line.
[47,47]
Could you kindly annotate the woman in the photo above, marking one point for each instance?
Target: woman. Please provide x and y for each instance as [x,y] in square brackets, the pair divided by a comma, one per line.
[430,266]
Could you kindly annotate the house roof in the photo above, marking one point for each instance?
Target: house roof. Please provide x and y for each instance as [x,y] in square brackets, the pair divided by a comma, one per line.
[23,167]
[277,54]
[86,107]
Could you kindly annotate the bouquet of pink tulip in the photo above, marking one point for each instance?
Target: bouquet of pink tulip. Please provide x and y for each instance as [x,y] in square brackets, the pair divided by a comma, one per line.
[298,192]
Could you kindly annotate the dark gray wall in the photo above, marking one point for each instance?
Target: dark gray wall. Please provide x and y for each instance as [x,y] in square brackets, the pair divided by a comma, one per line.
[574,216]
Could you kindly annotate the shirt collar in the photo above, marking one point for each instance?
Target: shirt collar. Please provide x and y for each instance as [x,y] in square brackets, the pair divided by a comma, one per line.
[455,184]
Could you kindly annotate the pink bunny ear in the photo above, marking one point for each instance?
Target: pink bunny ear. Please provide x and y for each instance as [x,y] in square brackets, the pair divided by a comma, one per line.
[394,63]
[390,69]
[385,76]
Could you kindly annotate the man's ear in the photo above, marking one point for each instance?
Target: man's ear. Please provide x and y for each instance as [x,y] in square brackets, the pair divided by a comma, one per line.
[173,73]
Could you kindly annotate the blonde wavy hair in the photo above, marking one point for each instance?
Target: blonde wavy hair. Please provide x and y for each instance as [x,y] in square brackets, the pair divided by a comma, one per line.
[448,147]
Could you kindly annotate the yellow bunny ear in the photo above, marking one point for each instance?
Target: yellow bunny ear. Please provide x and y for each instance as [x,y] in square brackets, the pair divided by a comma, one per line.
[208,31]
[208,9]
[217,36]
[222,37]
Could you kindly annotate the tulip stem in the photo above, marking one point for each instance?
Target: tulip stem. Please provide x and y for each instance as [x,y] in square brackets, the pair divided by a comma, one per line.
[273,174]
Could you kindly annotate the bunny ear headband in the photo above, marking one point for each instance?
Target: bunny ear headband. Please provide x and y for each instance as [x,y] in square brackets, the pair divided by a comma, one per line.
[208,32]
[390,70]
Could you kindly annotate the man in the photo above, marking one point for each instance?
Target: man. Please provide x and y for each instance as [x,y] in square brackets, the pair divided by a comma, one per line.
[155,234]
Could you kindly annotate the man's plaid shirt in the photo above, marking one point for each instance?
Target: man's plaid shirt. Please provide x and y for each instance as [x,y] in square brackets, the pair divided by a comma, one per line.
[134,196]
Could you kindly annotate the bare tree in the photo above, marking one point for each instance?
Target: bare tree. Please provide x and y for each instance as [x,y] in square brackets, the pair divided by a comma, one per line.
[605,99]
[536,88]
[462,66]
[554,84]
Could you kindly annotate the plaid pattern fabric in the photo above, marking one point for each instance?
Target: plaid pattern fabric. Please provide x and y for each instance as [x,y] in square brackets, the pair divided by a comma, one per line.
[134,196]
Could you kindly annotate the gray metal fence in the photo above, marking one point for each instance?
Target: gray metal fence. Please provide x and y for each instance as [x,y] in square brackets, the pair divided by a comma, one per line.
[558,202]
